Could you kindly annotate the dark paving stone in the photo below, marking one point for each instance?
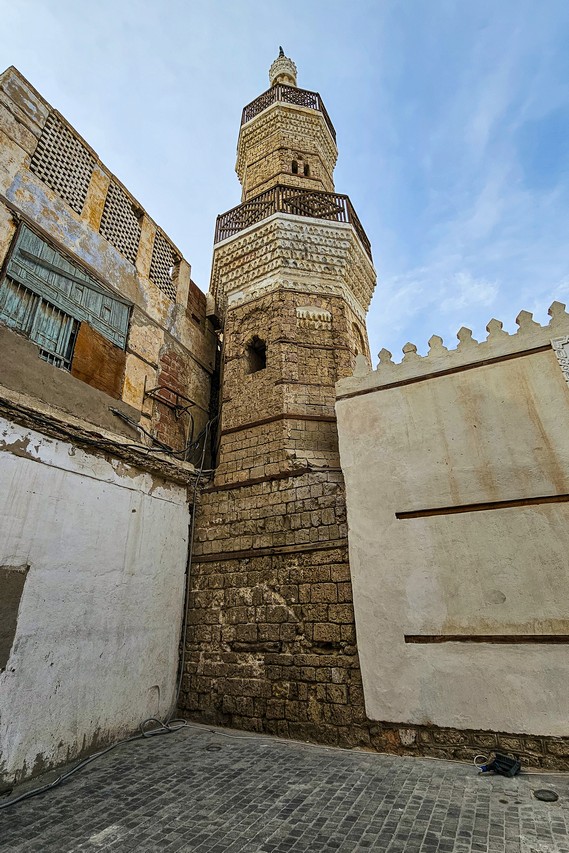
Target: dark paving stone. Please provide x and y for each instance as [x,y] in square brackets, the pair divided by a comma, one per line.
[257,795]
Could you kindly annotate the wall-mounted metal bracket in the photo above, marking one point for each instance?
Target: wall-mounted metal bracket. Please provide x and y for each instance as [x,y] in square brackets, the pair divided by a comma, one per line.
[179,403]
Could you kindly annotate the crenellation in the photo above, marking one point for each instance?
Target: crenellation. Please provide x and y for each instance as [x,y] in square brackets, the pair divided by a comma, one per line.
[529,336]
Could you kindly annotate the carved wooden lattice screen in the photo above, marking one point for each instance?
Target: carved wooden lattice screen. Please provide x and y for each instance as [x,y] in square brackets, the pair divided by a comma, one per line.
[35,267]
[119,222]
[290,95]
[163,266]
[63,163]
[299,202]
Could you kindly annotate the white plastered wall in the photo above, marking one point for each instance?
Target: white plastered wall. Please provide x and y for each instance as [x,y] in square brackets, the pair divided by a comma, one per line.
[490,433]
[96,644]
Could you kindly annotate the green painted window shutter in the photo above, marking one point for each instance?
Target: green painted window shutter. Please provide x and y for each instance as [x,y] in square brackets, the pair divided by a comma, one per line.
[49,274]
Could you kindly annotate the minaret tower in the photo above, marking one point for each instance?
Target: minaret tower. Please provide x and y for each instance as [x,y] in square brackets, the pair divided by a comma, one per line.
[292,278]
[292,148]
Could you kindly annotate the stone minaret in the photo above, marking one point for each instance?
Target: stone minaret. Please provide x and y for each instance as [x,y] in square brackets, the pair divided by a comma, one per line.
[272,640]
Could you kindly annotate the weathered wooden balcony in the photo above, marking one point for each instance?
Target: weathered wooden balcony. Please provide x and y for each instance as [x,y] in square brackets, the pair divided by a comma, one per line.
[288,95]
[299,202]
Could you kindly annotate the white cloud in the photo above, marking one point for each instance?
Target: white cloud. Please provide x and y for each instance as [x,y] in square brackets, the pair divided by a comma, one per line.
[465,292]
[485,242]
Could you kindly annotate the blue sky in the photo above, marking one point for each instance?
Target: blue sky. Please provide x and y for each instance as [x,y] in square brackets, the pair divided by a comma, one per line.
[452,119]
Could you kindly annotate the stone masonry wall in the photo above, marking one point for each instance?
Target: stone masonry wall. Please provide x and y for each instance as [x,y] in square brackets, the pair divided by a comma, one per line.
[271,639]
[269,142]
[272,645]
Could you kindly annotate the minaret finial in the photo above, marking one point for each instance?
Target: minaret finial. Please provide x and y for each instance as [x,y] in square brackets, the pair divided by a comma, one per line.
[283,70]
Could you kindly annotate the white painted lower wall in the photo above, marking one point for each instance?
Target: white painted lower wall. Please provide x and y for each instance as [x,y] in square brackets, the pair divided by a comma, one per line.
[96,644]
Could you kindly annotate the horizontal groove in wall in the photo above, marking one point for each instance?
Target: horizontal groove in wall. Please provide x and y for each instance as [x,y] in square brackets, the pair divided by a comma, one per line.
[482,507]
[303,384]
[460,368]
[271,551]
[307,345]
[283,475]
[284,416]
[504,639]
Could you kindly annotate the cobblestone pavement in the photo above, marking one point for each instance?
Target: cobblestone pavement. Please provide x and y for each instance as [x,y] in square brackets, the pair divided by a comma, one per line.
[204,790]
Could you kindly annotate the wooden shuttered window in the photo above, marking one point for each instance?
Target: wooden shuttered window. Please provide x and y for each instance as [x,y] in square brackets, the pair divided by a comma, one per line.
[36,267]
[76,322]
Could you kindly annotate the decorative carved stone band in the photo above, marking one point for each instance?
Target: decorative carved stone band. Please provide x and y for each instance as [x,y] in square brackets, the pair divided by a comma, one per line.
[288,95]
[298,202]
[561,349]
[311,317]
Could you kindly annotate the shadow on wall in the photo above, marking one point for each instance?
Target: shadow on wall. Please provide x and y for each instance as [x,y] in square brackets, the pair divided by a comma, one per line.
[12,580]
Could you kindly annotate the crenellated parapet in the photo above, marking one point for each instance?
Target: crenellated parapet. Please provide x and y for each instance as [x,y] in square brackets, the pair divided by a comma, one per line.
[498,345]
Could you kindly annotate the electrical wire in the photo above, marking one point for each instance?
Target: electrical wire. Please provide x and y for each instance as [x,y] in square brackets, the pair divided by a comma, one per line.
[188,565]
[174,725]
[183,452]
[132,423]
[108,445]
[180,455]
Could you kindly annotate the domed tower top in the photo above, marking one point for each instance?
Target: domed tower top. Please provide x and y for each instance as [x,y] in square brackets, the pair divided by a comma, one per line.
[283,70]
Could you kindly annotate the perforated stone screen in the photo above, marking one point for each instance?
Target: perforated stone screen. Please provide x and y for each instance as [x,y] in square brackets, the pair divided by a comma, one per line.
[163,266]
[63,162]
[119,223]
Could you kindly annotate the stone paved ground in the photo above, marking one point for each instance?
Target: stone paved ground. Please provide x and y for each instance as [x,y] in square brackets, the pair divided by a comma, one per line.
[206,791]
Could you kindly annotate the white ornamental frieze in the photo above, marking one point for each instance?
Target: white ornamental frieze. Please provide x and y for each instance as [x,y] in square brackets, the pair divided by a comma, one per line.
[561,349]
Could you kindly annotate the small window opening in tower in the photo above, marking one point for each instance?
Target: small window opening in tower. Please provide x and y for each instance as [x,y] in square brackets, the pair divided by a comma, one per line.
[295,167]
[359,340]
[256,353]
[306,170]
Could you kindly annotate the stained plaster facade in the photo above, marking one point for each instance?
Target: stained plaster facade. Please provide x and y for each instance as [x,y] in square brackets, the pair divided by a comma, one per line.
[93,524]
[170,341]
[456,483]
[100,544]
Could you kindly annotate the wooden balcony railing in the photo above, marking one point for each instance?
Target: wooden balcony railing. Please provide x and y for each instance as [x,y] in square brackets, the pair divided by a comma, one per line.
[299,202]
[290,95]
